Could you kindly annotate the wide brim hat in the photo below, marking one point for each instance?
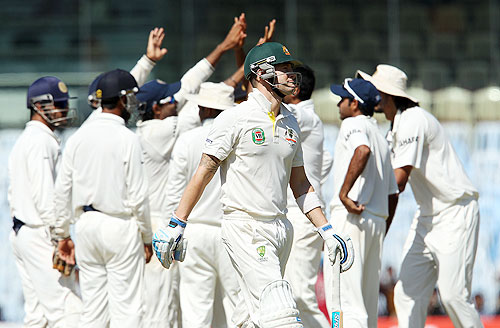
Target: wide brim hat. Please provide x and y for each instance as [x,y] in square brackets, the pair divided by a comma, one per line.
[388,79]
[218,96]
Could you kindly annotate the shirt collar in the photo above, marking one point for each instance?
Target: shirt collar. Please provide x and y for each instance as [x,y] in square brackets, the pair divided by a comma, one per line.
[265,104]
[110,117]
[39,125]
[207,122]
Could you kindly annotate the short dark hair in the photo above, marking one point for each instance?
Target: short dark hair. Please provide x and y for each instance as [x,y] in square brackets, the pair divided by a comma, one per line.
[110,103]
[308,82]
[365,110]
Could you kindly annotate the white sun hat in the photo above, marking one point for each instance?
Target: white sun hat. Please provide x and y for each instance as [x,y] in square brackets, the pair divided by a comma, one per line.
[388,79]
[218,96]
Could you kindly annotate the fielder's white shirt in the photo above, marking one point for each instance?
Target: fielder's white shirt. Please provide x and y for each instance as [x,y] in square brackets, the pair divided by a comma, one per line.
[438,178]
[158,137]
[377,180]
[190,84]
[312,138]
[102,166]
[258,152]
[142,69]
[185,160]
[32,172]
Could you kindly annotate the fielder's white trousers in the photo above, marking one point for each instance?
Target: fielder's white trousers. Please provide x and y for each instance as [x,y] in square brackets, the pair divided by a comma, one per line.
[302,268]
[359,286]
[258,251]
[439,249]
[206,268]
[47,300]
[162,307]
[110,254]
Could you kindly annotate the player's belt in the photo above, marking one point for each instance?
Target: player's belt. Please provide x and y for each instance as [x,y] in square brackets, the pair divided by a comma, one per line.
[17,224]
[89,208]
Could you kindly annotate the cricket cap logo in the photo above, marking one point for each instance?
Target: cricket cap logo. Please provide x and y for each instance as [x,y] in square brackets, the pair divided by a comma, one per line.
[261,250]
[258,136]
[285,51]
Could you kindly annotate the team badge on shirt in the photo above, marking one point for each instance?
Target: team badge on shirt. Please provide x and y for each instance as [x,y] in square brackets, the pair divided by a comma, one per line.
[290,136]
[258,136]
[261,250]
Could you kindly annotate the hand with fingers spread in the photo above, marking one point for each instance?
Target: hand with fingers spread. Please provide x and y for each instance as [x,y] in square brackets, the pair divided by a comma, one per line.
[236,34]
[268,32]
[154,51]
[243,23]
[337,243]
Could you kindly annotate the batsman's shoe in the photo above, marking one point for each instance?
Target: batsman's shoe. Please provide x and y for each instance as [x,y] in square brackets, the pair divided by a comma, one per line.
[166,242]
[334,243]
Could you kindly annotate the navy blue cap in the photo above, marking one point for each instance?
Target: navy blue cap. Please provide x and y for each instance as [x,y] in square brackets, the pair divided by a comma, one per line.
[359,89]
[48,85]
[93,85]
[156,90]
[113,82]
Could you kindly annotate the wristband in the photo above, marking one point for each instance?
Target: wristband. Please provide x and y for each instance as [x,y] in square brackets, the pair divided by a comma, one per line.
[308,202]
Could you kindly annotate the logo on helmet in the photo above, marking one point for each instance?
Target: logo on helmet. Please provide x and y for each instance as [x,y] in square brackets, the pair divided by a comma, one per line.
[62,87]
[285,51]
[98,93]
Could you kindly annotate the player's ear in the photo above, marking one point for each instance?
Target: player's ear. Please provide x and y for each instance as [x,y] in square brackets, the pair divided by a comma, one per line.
[156,109]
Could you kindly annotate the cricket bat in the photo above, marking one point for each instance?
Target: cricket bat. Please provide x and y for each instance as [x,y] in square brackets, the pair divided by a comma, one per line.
[336,308]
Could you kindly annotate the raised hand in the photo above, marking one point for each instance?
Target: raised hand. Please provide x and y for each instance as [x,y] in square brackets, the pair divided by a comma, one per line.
[154,51]
[268,33]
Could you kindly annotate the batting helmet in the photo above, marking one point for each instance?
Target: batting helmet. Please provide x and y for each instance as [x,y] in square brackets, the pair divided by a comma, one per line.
[265,56]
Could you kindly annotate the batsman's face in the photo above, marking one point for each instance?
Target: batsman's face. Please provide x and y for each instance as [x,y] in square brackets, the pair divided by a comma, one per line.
[286,80]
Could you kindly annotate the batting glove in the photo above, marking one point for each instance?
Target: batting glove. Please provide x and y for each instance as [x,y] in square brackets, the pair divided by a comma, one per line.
[335,243]
[166,241]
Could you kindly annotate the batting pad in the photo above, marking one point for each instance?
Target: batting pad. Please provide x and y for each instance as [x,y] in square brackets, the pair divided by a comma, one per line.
[277,306]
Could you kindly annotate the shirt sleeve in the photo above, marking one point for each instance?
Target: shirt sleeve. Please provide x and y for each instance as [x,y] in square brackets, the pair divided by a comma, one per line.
[63,193]
[177,177]
[354,134]
[223,135]
[192,79]
[137,189]
[41,161]
[409,142]
[142,70]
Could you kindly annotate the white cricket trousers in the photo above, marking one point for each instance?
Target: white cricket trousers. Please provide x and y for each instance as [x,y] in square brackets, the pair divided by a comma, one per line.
[359,286]
[47,300]
[162,307]
[302,268]
[439,249]
[205,269]
[258,251]
[110,254]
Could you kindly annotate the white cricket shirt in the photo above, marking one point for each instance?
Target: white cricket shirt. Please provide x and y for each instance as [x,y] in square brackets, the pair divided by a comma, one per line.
[141,70]
[102,166]
[438,178]
[377,180]
[185,160]
[311,129]
[32,172]
[258,152]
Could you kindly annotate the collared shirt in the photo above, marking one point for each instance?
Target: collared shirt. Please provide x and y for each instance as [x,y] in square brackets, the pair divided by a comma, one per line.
[316,165]
[377,180]
[32,169]
[438,178]
[158,137]
[102,166]
[258,152]
[185,160]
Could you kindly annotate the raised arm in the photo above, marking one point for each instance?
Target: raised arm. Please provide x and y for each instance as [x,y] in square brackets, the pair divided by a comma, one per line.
[154,53]
[235,35]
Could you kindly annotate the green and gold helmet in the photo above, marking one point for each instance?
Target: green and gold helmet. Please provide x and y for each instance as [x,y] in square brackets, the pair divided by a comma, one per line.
[264,57]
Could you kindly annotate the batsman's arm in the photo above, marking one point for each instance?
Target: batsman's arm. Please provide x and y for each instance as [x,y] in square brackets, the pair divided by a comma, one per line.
[301,187]
[203,175]
[356,167]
